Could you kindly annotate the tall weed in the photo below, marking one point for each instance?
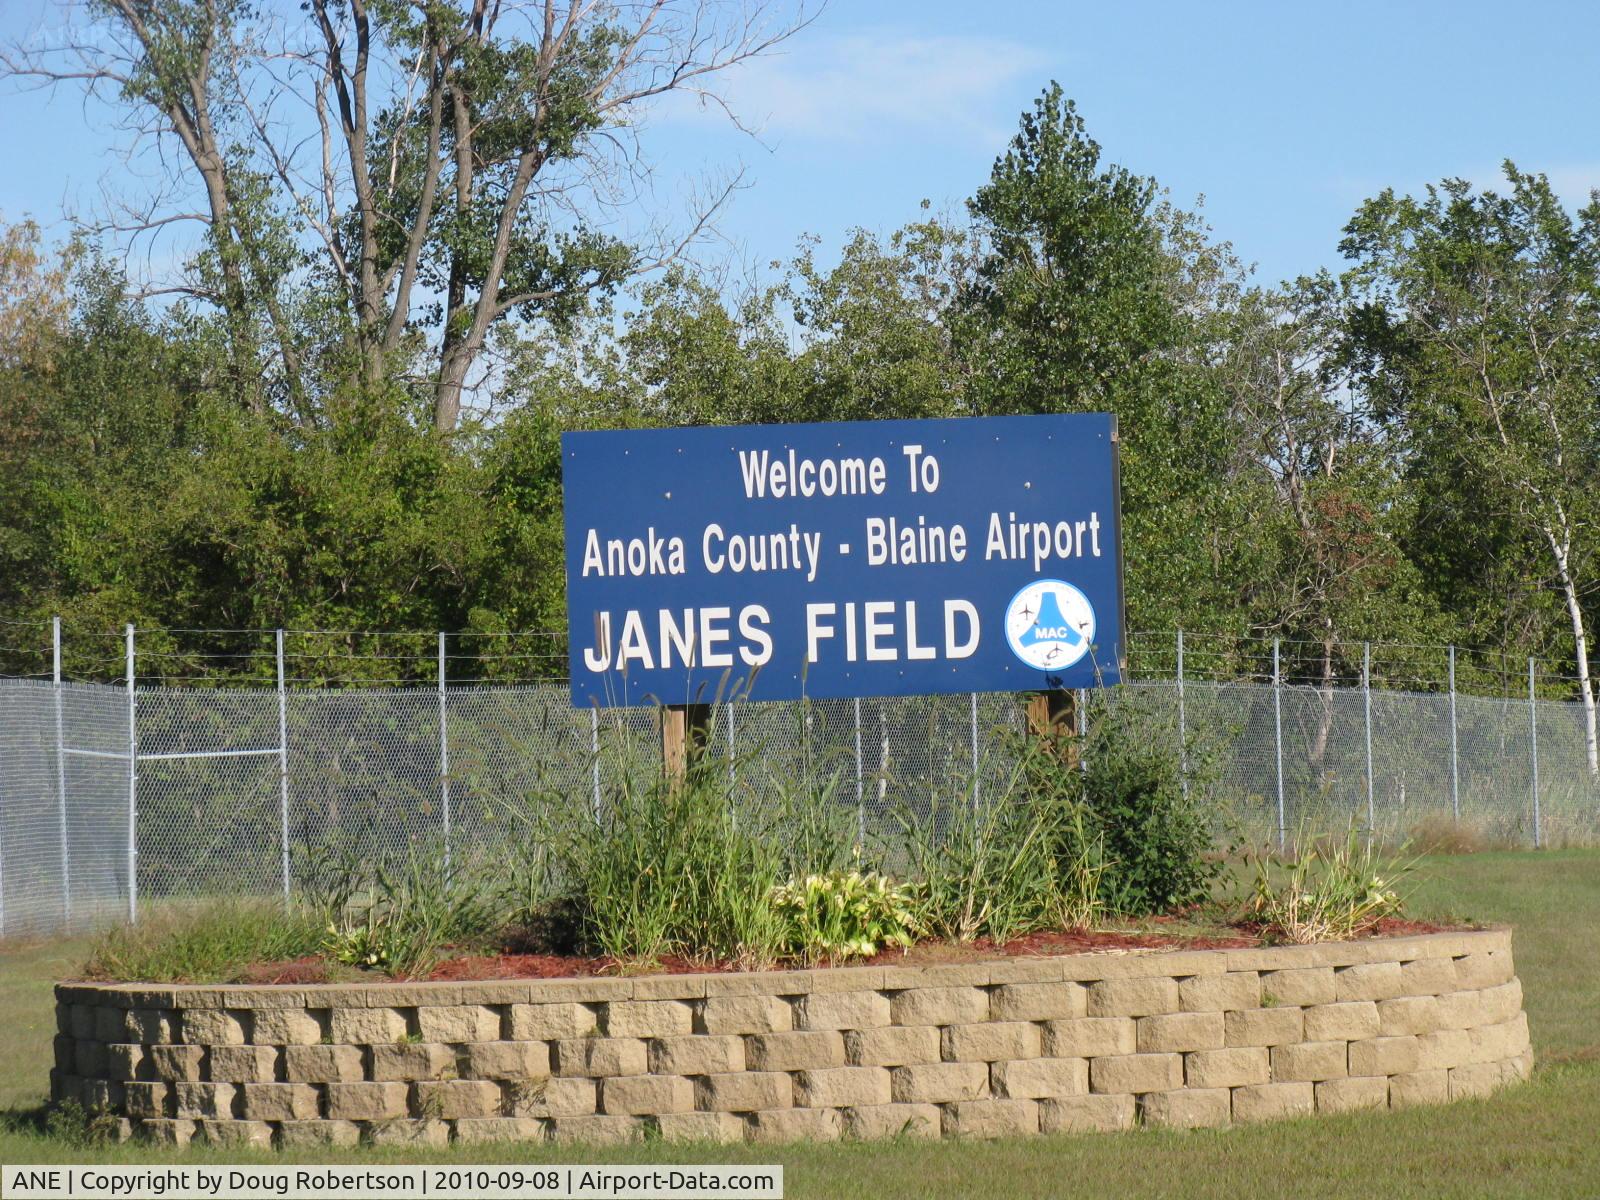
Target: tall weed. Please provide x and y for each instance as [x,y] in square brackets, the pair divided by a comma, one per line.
[661,867]
[1328,891]
[1003,865]
[402,913]
[687,867]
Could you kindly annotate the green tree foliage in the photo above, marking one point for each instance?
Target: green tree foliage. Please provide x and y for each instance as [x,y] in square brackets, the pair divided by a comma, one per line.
[1482,332]
[431,170]
[1071,289]
[1328,494]
[134,491]
[877,342]
[1092,294]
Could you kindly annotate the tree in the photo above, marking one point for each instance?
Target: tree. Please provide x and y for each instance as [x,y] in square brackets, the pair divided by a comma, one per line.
[34,309]
[1090,292]
[866,338]
[436,167]
[34,325]
[1071,289]
[1483,328]
[875,329]
[691,356]
[1331,570]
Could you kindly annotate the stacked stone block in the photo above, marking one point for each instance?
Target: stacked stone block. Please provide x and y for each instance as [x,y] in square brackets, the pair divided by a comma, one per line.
[1017,1046]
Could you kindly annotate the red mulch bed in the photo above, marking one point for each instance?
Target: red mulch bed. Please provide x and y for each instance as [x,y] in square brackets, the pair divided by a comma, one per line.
[310,969]
[1048,942]
[1401,927]
[558,966]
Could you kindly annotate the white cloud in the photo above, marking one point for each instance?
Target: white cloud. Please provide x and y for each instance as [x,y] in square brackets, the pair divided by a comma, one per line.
[866,87]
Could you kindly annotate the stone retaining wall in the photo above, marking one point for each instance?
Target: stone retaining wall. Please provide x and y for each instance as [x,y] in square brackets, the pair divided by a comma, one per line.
[1016,1046]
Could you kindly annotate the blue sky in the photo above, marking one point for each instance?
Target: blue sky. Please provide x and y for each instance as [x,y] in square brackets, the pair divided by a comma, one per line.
[1284,116]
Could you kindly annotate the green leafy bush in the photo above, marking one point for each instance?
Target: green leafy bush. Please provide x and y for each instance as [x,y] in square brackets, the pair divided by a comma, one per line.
[1327,892]
[845,915]
[213,942]
[1157,839]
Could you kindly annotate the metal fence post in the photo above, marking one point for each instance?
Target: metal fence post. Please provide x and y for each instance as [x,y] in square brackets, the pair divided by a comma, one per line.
[61,772]
[1183,726]
[861,803]
[2,861]
[133,788]
[972,717]
[594,756]
[1081,719]
[2,871]
[1533,756]
[283,768]
[733,776]
[1366,702]
[1455,755]
[444,751]
[883,755]
[1277,739]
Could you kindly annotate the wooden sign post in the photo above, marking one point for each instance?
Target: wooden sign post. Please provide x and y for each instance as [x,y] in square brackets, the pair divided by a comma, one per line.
[1053,718]
[685,730]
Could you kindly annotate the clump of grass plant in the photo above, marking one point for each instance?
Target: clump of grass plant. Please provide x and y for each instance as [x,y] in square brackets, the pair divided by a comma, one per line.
[665,867]
[404,912]
[73,1125]
[211,942]
[688,866]
[1005,864]
[1437,833]
[1328,891]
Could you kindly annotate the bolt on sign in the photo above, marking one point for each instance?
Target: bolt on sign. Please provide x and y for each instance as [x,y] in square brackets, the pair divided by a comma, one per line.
[863,558]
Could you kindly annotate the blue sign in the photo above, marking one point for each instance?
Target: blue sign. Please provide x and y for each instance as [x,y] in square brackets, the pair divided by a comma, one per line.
[867,558]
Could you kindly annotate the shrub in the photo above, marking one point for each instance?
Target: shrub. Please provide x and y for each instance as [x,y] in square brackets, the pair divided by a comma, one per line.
[1328,892]
[212,942]
[1156,838]
[845,915]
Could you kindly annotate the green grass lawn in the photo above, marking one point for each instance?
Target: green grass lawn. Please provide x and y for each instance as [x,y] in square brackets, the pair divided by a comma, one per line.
[1538,1139]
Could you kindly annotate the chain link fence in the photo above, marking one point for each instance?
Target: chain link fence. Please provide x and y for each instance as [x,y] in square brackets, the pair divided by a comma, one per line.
[114,797]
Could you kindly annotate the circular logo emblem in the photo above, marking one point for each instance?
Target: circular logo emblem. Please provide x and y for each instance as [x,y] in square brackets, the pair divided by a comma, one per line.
[1049,624]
